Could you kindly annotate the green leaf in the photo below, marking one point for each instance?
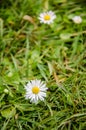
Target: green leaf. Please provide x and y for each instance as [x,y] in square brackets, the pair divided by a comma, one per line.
[65,36]
[69,100]
[8,112]
[50,68]
[42,71]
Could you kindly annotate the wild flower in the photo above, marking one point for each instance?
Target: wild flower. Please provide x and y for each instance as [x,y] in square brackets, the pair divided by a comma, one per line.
[35,91]
[47,17]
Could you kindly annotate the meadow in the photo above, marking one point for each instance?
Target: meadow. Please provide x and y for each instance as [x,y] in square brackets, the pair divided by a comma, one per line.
[54,53]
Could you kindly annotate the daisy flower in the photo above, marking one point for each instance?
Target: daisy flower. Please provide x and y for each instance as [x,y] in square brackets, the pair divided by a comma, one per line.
[35,90]
[47,17]
[77,19]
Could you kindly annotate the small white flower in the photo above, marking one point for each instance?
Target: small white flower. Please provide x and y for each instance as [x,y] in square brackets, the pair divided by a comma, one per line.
[35,90]
[47,17]
[77,19]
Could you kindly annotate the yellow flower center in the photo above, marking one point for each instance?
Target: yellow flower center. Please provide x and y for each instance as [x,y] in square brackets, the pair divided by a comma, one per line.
[35,90]
[47,17]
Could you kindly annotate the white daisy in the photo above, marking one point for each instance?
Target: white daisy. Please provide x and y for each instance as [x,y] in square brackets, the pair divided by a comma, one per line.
[47,17]
[77,19]
[35,90]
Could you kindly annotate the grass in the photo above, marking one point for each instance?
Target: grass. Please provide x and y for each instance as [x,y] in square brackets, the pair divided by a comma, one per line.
[54,53]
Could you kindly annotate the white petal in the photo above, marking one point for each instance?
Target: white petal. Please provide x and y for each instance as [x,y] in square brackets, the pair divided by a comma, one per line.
[40,97]
[43,94]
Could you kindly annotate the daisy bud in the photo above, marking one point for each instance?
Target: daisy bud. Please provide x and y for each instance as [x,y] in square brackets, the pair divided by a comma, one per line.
[6,91]
[77,19]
